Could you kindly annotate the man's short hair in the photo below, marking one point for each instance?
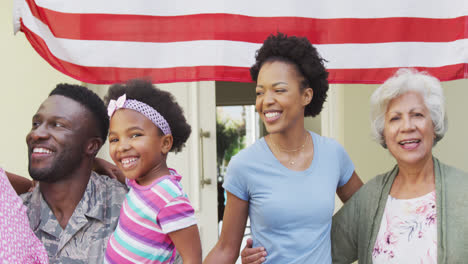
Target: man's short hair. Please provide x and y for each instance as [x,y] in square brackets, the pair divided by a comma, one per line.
[88,99]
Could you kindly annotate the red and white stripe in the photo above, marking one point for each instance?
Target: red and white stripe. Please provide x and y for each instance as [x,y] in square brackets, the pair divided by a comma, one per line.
[364,41]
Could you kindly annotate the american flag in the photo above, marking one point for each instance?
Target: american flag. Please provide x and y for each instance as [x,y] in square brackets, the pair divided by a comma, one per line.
[364,41]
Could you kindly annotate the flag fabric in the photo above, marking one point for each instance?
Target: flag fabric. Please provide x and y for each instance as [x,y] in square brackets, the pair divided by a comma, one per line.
[363,41]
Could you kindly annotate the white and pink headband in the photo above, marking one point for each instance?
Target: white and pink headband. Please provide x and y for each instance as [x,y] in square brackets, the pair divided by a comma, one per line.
[142,108]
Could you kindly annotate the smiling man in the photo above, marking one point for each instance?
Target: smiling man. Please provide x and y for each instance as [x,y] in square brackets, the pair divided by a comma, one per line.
[74,210]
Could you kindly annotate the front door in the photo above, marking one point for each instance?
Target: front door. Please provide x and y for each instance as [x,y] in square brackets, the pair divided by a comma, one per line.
[197,162]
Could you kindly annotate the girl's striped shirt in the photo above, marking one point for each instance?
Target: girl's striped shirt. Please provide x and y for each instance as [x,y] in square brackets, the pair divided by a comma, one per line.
[148,215]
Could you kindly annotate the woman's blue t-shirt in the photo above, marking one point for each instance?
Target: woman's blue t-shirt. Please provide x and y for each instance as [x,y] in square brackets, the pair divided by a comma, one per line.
[290,211]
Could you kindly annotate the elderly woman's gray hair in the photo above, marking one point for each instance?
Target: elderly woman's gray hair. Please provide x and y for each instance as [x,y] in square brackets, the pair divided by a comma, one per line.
[406,80]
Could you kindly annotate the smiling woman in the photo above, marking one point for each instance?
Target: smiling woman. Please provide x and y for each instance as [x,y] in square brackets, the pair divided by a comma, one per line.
[416,212]
[405,113]
[291,169]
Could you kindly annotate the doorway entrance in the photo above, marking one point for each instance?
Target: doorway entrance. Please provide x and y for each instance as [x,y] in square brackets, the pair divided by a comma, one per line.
[237,127]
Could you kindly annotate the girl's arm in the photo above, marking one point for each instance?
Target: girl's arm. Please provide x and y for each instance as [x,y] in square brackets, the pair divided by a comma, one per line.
[227,249]
[20,184]
[187,243]
[346,191]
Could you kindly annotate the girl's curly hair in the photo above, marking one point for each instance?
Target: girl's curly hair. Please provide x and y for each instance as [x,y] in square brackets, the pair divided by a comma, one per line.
[164,102]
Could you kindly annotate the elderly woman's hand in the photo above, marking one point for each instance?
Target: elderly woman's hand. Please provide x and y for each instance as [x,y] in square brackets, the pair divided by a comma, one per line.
[251,255]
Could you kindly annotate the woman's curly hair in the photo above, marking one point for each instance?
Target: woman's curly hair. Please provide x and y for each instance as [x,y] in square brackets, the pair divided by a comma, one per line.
[299,52]
[164,102]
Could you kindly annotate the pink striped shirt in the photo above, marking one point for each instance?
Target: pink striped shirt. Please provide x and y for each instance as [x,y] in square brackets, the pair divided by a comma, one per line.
[18,244]
[148,215]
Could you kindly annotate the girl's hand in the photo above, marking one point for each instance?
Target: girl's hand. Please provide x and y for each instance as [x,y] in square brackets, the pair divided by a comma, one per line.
[251,255]
[104,167]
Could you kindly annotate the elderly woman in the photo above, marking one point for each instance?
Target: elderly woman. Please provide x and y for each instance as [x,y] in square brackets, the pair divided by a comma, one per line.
[417,212]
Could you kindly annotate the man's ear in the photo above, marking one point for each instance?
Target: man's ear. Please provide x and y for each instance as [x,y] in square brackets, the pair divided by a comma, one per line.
[307,96]
[166,143]
[93,146]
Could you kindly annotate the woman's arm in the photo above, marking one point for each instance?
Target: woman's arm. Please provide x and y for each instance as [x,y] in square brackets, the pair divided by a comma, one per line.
[345,232]
[187,243]
[346,191]
[20,184]
[227,248]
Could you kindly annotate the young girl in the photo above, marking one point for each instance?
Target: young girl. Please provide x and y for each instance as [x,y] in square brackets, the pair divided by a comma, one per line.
[156,216]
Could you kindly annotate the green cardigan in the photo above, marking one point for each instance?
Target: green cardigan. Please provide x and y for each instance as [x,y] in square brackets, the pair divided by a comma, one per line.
[356,225]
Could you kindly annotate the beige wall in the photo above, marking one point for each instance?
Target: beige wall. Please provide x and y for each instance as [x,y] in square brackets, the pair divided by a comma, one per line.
[371,159]
[26,81]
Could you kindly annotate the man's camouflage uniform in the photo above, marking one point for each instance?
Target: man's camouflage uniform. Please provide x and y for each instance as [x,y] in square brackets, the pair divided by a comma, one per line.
[85,237]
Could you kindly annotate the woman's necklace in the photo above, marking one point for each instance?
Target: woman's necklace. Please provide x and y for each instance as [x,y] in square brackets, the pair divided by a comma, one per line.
[290,160]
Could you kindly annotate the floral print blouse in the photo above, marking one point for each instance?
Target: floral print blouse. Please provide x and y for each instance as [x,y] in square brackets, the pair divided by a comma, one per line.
[408,232]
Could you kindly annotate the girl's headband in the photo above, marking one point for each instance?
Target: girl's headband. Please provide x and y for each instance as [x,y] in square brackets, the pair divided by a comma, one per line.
[142,108]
